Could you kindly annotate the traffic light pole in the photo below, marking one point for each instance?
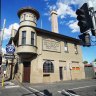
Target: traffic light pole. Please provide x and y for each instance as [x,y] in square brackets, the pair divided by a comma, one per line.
[92,13]
[86,17]
[1,41]
[95,16]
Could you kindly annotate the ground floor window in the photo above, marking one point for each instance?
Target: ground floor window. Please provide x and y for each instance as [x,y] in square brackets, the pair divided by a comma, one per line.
[48,67]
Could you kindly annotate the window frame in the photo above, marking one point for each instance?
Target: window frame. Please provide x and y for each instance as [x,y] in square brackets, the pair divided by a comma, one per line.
[48,67]
[76,48]
[32,38]
[23,37]
[65,46]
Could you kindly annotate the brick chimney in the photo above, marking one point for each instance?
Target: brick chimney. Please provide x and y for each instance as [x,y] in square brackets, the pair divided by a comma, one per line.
[54,21]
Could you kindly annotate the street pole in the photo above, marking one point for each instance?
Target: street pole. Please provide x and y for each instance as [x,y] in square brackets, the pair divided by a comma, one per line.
[93,16]
[3,31]
[0,52]
[70,67]
[1,43]
[1,37]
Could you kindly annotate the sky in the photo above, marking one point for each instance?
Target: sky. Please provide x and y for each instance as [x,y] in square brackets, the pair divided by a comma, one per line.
[67,22]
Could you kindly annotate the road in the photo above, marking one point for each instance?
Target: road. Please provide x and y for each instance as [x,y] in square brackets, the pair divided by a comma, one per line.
[80,87]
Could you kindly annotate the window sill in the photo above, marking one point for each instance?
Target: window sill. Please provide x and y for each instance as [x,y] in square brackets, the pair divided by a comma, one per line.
[47,74]
[27,45]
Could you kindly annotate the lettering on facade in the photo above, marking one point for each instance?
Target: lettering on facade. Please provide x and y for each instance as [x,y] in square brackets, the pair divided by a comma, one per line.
[51,45]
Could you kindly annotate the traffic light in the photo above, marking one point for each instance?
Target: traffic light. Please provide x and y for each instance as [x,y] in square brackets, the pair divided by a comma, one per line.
[84,18]
[85,38]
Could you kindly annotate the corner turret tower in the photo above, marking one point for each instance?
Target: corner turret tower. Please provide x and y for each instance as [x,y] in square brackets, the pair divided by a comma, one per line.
[28,16]
[27,42]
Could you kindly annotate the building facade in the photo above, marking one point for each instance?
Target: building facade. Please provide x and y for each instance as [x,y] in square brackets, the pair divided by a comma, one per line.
[42,56]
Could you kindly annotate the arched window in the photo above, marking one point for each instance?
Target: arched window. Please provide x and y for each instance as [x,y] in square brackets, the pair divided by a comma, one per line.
[48,67]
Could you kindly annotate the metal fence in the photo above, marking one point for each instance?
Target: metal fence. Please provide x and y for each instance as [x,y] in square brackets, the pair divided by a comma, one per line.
[89,72]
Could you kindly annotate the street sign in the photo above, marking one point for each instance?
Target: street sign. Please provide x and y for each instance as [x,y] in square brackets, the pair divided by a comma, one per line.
[8,56]
[10,49]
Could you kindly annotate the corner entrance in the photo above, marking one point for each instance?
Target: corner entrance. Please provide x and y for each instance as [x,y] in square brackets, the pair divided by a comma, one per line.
[26,72]
[61,73]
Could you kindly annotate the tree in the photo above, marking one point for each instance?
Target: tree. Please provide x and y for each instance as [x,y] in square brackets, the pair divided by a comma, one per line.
[85,62]
[94,60]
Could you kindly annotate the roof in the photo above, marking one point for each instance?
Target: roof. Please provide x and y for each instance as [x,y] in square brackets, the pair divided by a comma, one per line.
[28,9]
[67,38]
[49,33]
[87,65]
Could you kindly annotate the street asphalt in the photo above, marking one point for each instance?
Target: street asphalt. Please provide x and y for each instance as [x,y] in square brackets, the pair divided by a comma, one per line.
[85,87]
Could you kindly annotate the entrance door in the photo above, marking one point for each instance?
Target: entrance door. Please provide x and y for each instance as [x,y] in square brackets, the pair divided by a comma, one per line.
[61,73]
[26,75]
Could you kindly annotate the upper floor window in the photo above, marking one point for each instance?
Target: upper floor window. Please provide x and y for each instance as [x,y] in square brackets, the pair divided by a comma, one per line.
[23,37]
[33,38]
[65,46]
[24,16]
[75,47]
[48,67]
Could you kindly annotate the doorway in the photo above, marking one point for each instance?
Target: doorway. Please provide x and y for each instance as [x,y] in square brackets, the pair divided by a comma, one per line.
[26,72]
[61,73]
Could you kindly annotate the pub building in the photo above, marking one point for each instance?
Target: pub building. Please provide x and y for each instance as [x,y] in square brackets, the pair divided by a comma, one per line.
[43,56]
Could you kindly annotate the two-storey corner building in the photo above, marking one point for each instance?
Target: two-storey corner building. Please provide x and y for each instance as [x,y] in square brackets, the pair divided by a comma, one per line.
[43,56]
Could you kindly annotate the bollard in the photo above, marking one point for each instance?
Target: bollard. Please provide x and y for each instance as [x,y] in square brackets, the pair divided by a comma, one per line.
[3,81]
